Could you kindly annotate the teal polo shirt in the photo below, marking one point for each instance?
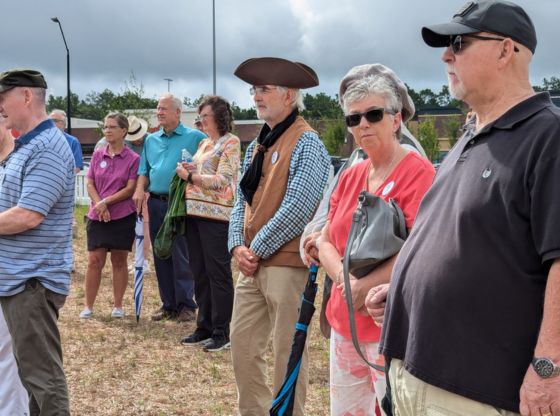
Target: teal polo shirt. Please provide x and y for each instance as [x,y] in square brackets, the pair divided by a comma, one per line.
[161,154]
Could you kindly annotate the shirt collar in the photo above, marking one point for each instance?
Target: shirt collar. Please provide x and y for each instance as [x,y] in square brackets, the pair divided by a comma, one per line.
[522,111]
[27,137]
[105,151]
[179,130]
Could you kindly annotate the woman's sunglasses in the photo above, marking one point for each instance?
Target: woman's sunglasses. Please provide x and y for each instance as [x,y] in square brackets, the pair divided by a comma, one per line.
[456,42]
[373,116]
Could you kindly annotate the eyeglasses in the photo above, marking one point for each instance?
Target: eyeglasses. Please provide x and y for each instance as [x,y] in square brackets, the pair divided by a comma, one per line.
[261,90]
[57,120]
[373,116]
[456,41]
[110,127]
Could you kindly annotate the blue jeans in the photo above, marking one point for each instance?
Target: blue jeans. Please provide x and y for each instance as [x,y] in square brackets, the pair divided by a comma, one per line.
[174,275]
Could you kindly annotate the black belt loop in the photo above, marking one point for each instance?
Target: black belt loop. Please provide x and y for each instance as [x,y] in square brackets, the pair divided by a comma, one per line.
[160,197]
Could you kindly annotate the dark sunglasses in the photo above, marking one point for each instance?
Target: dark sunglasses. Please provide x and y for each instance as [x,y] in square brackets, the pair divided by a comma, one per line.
[373,116]
[456,41]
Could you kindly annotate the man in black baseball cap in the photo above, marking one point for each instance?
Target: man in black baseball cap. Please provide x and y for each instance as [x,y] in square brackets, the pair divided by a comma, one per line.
[36,204]
[474,330]
[495,16]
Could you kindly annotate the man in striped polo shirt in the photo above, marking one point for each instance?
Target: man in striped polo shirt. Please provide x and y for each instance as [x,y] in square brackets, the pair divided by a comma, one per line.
[36,201]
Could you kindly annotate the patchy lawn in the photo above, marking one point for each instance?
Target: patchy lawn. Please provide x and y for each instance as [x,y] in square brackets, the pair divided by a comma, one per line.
[119,367]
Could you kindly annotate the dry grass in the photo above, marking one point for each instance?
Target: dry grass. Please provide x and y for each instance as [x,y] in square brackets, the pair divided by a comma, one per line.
[118,367]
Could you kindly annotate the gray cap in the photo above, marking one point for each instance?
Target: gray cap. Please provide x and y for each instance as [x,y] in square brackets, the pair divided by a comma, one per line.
[370,70]
[495,16]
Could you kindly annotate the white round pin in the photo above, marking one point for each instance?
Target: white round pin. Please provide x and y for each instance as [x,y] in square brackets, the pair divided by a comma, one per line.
[487,172]
[388,188]
[103,164]
[274,157]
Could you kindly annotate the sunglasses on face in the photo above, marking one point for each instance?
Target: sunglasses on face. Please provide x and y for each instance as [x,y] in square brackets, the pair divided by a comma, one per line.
[373,116]
[457,44]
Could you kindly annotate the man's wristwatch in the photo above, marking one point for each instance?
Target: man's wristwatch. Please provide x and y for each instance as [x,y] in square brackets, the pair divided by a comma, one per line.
[545,367]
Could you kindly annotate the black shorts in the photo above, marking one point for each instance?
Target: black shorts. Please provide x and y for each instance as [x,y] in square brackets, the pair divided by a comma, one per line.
[113,235]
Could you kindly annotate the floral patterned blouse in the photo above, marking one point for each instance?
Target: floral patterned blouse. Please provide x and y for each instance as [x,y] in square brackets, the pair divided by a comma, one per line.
[218,166]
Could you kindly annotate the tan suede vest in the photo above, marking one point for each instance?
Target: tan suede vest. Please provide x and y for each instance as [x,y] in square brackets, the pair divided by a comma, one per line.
[270,193]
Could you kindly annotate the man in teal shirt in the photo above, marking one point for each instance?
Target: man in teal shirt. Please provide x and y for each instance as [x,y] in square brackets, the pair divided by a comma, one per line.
[162,152]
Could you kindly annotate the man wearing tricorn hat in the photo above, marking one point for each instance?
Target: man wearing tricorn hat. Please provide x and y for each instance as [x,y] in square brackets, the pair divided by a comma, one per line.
[285,172]
[472,324]
[36,201]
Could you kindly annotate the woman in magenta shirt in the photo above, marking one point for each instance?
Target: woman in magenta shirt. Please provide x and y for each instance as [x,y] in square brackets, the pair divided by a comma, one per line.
[111,180]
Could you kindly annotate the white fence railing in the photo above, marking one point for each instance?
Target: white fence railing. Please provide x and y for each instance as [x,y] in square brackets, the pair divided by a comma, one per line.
[82,197]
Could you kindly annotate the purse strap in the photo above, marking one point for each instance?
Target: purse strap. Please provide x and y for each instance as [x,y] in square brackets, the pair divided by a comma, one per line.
[356,218]
[402,221]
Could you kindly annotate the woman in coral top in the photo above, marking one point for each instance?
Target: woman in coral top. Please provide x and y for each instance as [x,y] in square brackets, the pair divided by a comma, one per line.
[211,181]
[375,102]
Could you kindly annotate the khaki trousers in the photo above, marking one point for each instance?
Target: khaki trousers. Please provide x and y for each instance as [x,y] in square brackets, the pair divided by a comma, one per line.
[266,304]
[414,397]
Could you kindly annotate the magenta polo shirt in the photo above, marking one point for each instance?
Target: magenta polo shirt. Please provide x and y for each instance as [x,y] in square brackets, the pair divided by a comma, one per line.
[110,175]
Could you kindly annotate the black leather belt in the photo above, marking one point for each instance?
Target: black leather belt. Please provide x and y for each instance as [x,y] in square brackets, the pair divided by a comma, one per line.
[160,197]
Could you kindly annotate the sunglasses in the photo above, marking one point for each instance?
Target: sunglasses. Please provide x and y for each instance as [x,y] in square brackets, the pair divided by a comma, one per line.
[373,116]
[456,42]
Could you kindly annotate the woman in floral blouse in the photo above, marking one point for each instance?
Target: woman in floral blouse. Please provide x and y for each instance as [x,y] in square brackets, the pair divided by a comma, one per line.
[211,181]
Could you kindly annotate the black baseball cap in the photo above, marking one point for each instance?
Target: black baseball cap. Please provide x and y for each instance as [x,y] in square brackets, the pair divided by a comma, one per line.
[496,16]
[21,78]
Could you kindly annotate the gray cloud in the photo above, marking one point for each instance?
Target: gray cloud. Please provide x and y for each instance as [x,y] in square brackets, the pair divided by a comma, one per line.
[173,39]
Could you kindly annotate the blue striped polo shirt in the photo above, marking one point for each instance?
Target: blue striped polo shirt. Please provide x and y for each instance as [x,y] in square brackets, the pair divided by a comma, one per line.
[39,176]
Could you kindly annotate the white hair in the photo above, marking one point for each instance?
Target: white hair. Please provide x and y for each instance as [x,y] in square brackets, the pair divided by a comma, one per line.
[40,95]
[177,102]
[372,85]
[297,102]
[61,114]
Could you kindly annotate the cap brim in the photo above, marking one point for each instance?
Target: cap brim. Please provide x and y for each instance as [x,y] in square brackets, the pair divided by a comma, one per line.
[437,36]
[4,88]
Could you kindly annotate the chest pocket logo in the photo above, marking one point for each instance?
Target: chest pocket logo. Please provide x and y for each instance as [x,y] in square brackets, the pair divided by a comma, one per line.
[486,174]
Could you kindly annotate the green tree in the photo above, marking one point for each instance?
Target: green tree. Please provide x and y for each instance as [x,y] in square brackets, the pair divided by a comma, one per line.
[187,102]
[242,113]
[321,106]
[428,138]
[334,136]
[452,128]
[59,103]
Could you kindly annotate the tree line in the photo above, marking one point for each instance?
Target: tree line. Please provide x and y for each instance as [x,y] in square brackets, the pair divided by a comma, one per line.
[321,108]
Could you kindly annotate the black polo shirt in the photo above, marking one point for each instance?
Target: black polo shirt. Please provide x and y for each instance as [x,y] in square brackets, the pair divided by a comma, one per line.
[467,290]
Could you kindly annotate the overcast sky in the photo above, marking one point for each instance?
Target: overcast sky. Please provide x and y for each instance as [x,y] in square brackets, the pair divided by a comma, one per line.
[173,39]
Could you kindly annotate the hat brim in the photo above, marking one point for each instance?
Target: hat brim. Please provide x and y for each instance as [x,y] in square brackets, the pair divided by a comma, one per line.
[141,133]
[4,88]
[277,71]
[437,36]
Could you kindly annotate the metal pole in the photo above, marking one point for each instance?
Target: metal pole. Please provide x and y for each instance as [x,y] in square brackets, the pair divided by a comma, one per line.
[68,94]
[169,80]
[214,43]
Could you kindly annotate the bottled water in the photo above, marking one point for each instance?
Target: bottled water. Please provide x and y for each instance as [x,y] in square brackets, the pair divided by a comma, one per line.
[186,156]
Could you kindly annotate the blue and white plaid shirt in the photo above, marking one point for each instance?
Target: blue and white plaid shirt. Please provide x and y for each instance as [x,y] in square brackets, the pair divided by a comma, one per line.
[307,177]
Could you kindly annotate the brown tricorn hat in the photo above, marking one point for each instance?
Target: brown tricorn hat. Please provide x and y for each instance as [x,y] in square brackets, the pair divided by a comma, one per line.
[277,71]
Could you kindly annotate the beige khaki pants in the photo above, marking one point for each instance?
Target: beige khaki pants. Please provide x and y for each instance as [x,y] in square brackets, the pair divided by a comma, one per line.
[264,305]
[414,397]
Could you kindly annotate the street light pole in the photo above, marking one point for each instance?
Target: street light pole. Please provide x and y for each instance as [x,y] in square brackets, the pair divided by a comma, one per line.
[68,95]
[214,43]
[169,81]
